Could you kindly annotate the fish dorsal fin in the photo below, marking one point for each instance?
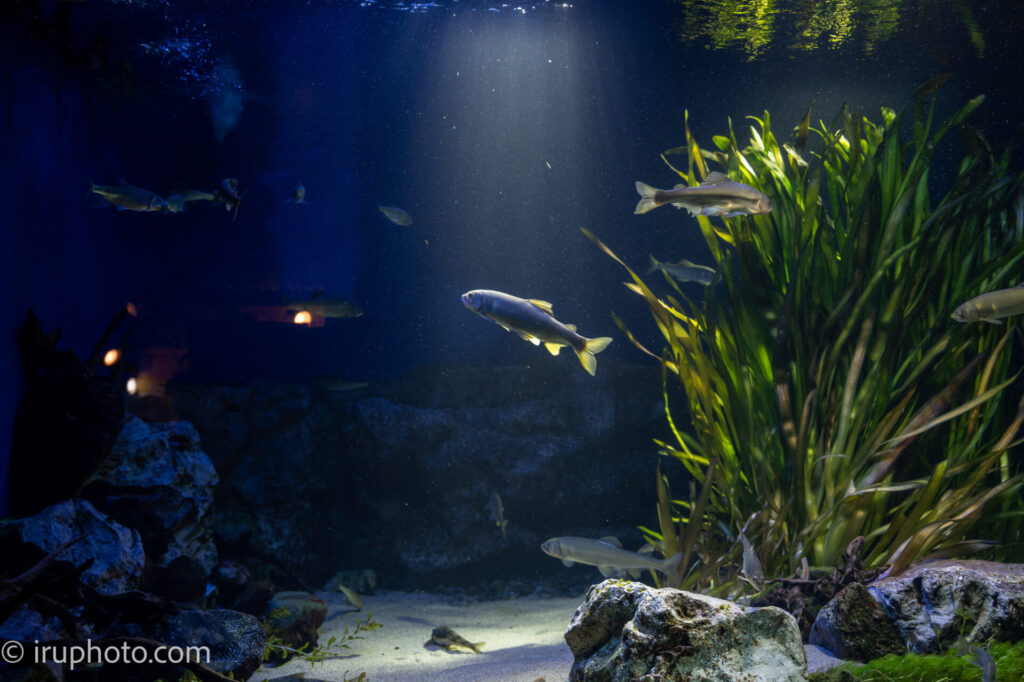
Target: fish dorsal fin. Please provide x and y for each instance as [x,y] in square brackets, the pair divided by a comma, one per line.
[611,540]
[543,305]
[679,186]
[571,327]
[553,348]
[646,550]
[715,177]
[528,337]
[121,182]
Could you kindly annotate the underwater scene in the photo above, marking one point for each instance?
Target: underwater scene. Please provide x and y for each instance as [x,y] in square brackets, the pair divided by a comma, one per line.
[599,340]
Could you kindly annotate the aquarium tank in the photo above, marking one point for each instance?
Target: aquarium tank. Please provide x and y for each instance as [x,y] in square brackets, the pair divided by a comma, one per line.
[477,340]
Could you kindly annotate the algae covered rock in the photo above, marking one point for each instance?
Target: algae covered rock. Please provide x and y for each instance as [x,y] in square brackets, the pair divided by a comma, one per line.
[929,608]
[627,631]
[854,626]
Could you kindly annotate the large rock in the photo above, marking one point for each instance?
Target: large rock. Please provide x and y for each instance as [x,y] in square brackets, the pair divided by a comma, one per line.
[116,551]
[295,618]
[236,640]
[627,631]
[932,605]
[158,481]
[416,461]
[854,626]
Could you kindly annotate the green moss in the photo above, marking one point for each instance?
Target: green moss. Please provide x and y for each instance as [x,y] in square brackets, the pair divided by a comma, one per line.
[946,667]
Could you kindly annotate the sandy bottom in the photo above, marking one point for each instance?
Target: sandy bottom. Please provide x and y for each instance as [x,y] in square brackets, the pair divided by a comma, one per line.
[524,640]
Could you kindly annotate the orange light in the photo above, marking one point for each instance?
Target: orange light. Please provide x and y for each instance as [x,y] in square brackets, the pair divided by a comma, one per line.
[303,317]
[132,386]
[111,357]
[131,309]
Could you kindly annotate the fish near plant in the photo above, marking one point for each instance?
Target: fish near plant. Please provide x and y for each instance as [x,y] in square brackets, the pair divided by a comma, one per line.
[829,392]
[534,321]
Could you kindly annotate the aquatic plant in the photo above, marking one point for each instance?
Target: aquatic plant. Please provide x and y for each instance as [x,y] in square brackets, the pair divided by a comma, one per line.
[830,393]
[948,666]
[335,646]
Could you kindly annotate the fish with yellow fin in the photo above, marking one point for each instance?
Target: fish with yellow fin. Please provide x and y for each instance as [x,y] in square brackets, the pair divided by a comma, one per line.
[534,321]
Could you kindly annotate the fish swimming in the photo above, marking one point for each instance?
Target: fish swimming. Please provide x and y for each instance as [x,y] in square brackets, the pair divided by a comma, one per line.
[228,195]
[328,308]
[684,271]
[190,195]
[717,195]
[497,510]
[396,215]
[752,570]
[983,659]
[447,638]
[128,198]
[175,203]
[534,321]
[992,307]
[607,554]
[298,194]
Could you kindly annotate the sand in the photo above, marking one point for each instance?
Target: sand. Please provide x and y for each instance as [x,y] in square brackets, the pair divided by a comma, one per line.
[524,640]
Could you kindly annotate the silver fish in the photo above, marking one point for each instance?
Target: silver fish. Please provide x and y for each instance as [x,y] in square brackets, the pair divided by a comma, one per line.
[497,514]
[534,321]
[129,198]
[175,203]
[327,308]
[983,659]
[684,271]
[992,307]
[607,554]
[717,195]
[396,215]
[752,571]
[190,195]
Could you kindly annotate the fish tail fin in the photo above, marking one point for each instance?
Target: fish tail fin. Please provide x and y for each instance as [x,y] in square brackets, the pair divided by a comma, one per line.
[654,264]
[590,349]
[674,569]
[646,202]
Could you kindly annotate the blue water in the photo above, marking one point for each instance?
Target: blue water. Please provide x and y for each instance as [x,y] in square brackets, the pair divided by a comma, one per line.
[501,128]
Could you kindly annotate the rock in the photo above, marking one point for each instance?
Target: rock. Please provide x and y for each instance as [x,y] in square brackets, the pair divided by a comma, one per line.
[854,626]
[184,580]
[363,581]
[158,481]
[116,551]
[28,625]
[924,602]
[625,631]
[296,617]
[926,610]
[451,431]
[236,640]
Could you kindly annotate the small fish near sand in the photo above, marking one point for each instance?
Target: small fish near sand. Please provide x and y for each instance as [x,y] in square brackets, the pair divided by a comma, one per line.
[396,215]
[497,512]
[127,198]
[716,196]
[684,271]
[534,321]
[448,639]
[609,557]
[992,307]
